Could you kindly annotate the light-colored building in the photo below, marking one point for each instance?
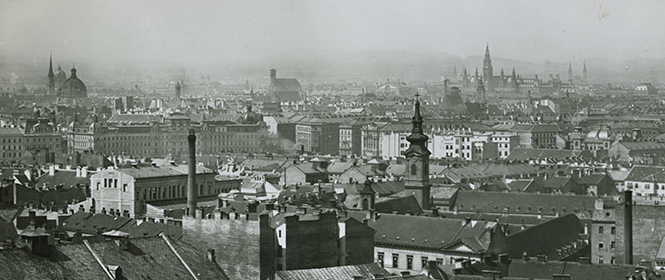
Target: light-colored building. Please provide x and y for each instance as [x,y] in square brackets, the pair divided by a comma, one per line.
[127,191]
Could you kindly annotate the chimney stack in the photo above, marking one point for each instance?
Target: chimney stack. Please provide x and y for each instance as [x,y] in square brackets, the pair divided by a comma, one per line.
[191,180]
[628,226]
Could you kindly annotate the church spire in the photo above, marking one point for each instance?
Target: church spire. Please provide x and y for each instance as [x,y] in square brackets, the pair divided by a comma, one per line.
[417,156]
[570,72]
[51,76]
[50,66]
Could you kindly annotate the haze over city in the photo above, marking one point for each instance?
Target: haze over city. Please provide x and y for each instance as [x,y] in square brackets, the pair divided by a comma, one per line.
[220,31]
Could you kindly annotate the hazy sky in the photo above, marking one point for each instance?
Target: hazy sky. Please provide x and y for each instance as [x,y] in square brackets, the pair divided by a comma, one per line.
[197,31]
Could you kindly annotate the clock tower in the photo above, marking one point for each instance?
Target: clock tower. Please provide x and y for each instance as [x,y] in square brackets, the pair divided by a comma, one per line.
[417,155]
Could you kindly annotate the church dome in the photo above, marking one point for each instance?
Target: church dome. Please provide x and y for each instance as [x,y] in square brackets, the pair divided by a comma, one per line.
[73,87]
[250,117]
[59,76]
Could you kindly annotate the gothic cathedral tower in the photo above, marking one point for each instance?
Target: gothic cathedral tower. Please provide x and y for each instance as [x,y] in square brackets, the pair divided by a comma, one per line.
[487,67]
[51,76]
[417,161]
[570,73]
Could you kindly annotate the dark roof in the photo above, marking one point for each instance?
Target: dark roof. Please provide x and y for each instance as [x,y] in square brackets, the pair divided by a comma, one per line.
[546,238]
[62,177]
[61,197]
[577,271]
[91,224]
[431,233]
[333,273]
[285,84]
[401,205]
[146,258]
[523,203]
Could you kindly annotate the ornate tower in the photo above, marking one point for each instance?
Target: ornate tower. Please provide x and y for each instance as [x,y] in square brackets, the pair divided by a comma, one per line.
[51,76]
[177,89]
[455,78]
[570,73]
[516,85]
[417,161]
[584,77]
[487,65]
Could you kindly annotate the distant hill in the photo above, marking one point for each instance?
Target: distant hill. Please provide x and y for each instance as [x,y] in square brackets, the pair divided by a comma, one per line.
[319,66]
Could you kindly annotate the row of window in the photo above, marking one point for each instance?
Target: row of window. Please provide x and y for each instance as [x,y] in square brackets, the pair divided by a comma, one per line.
[409,261]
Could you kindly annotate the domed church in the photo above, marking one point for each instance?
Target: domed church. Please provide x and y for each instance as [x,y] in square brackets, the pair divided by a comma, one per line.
[73,87]
[59,84]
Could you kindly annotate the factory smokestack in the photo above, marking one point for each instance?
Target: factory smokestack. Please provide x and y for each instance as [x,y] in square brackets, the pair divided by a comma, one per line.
[628,226]
[191,179]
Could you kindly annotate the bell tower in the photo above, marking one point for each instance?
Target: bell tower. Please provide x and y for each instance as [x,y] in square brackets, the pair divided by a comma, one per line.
[417,155]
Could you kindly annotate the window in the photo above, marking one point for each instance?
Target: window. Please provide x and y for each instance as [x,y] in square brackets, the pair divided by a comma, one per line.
[423,262]
[613,260]
[395,260]
[414,169]
[600,260]
[379,258]
[600,230]
[439,261]
[613,230]
[409,262]
[124,187]
[613,245]
[601,245]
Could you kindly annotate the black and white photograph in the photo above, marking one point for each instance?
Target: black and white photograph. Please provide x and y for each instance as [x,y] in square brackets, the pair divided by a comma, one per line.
[332,140]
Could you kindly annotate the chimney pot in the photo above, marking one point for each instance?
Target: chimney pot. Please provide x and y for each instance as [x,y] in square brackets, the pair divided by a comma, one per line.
[211,255]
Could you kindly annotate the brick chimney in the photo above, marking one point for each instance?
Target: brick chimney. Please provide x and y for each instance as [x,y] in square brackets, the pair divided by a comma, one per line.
[191,179]
[628,226]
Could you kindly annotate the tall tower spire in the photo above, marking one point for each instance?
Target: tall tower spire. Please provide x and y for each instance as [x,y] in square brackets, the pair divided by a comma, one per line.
[488,71]
[417,156]
[584,77]
[570,72]
[51,76]
[455,78]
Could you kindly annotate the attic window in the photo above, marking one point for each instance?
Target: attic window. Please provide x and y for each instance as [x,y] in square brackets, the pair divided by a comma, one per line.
[384,236]
[413,239]
[398,238]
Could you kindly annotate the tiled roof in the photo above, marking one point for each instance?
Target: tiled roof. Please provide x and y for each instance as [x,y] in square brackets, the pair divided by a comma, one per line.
[368,271]
[522,203]
[423,232]
[443,192]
